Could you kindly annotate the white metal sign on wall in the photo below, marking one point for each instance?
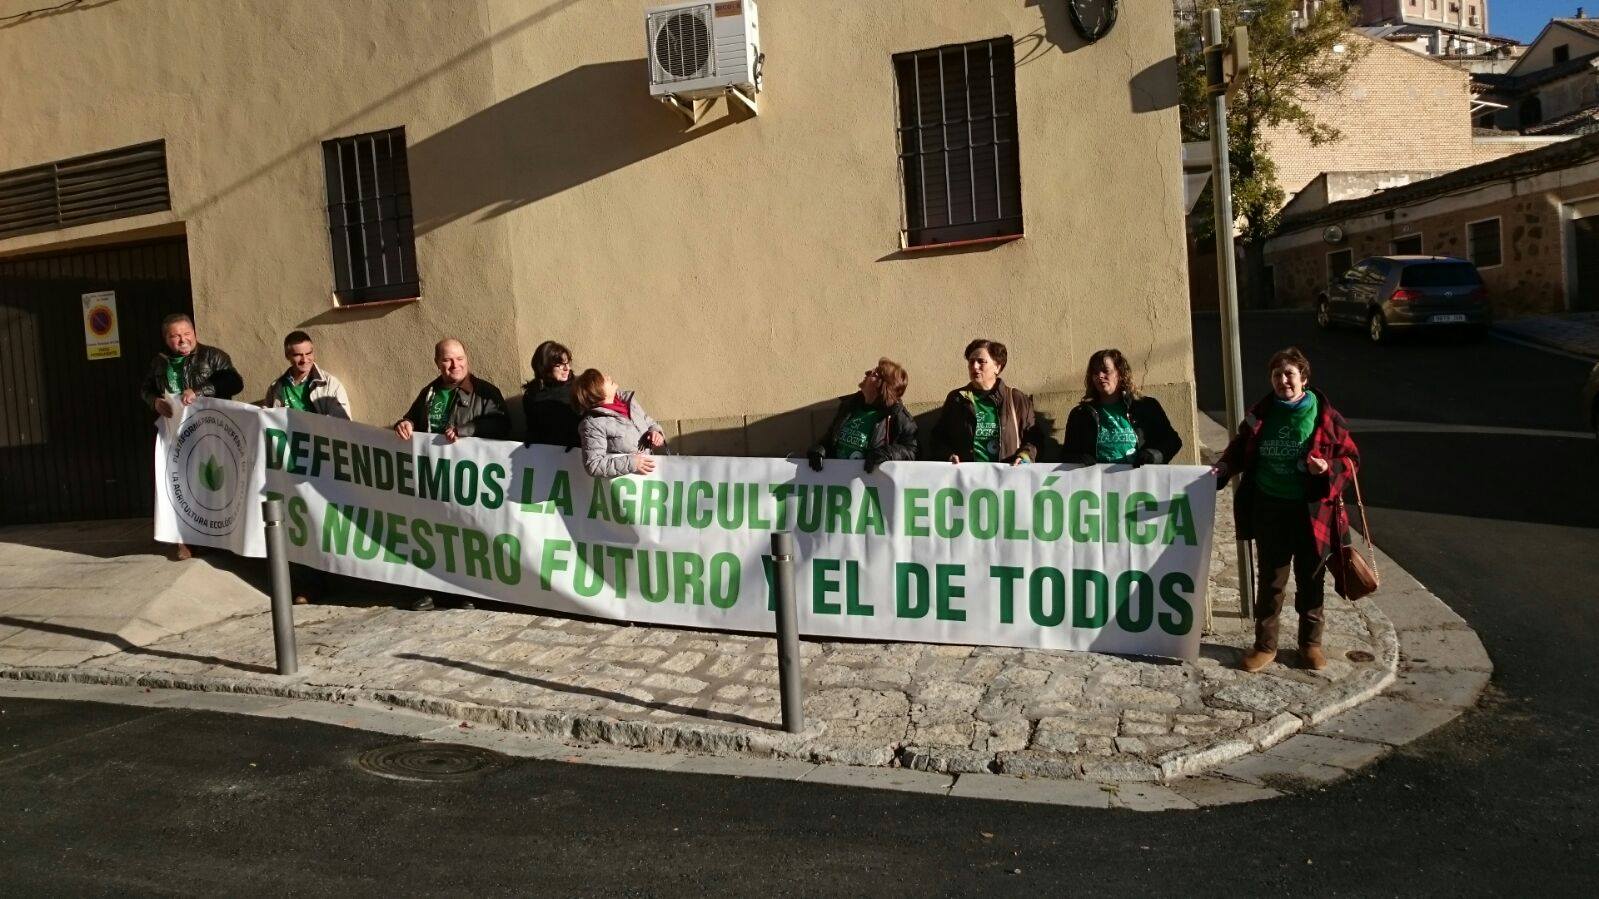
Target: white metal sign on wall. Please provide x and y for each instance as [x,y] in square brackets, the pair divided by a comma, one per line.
[100,335]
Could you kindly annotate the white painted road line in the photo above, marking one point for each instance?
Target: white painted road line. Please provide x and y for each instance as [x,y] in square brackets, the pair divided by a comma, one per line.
[1389,426]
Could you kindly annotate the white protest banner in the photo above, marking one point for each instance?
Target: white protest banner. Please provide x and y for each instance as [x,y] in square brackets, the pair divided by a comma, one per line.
[1109,558]
[209,476]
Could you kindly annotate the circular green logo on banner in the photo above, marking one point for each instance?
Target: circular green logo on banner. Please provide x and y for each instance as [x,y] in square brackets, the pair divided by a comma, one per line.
[207,467]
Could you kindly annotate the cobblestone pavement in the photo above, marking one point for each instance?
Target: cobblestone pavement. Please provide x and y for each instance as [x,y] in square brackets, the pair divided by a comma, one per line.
[1574,332]
[951,709]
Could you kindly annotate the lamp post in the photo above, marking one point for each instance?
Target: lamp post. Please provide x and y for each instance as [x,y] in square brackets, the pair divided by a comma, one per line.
[1218,83]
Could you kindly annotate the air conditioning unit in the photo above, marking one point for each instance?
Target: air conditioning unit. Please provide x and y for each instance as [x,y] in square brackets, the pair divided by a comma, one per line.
[700,51]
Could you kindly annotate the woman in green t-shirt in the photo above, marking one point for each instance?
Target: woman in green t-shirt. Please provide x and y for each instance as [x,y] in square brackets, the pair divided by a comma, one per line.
[1294,456]
[1114,423]
[871,424]
[987,420]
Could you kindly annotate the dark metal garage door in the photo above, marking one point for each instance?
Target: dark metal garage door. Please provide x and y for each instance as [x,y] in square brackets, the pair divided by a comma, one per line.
[75,439]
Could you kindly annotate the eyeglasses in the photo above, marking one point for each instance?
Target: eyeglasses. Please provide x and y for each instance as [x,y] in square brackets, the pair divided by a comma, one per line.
[566,364]
[874,374]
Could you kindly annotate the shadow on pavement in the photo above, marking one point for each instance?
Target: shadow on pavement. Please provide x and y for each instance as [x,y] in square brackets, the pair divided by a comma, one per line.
[110,539]
[123,644]
[557,686]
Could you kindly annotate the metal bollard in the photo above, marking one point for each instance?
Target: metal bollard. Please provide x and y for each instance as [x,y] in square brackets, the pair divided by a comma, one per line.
[282,608]
[788,650]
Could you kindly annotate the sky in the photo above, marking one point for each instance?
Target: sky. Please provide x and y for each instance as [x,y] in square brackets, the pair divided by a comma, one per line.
[1523,19]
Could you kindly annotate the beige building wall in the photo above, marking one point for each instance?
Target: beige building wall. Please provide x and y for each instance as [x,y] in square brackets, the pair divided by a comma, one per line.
[1541,55]
[1463,15]
[1398,111]
[745,267]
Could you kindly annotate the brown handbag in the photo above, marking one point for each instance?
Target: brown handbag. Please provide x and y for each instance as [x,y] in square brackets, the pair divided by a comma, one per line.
[1353,577]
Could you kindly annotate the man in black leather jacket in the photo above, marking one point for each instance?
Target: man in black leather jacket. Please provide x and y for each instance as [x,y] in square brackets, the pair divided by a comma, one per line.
[188,369]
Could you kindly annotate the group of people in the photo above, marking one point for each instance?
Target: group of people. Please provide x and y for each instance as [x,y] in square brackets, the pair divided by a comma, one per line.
[1293,452]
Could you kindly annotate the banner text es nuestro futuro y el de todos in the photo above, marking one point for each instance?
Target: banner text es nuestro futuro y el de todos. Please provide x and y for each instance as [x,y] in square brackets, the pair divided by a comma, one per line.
[1109,558]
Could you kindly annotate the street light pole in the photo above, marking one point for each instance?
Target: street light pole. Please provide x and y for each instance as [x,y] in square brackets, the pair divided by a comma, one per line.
[1226,262]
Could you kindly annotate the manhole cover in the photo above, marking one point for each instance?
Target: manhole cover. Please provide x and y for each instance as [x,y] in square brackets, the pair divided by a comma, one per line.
[1359,655]
[429,761]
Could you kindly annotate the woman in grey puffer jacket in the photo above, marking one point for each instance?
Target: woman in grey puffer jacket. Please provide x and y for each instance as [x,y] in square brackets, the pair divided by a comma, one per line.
[614,431]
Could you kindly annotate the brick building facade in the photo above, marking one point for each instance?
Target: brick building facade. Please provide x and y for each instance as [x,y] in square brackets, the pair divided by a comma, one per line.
[1398,111]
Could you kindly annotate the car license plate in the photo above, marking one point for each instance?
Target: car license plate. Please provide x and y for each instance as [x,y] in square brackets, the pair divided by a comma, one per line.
[1447,319]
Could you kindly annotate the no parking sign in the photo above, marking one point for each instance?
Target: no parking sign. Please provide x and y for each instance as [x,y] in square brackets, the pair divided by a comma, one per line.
[100,325]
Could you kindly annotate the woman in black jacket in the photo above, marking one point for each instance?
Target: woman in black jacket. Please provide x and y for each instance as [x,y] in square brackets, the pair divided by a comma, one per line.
[547,399]
[987,420]
[872,424]
[1113,422]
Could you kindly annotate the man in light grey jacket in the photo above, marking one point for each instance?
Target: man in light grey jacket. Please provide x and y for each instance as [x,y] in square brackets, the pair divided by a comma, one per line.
[304,386]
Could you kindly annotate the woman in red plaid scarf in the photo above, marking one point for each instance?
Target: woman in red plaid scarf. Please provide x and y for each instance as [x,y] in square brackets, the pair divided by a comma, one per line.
[1294,456]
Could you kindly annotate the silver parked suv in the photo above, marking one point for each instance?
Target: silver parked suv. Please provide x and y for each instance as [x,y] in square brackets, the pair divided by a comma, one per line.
[1389,294]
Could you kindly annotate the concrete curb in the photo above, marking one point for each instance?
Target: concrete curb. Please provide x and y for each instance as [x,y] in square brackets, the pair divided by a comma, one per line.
[588,729]
[1539,341]
[1193,761]
[1440,671]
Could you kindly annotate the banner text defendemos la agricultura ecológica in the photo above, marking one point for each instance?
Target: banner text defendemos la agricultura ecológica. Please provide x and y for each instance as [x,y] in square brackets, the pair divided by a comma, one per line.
[1109,558]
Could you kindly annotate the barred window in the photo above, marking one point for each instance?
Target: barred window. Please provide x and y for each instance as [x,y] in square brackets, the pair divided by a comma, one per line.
[1482,239]
[369,218]
[958,156]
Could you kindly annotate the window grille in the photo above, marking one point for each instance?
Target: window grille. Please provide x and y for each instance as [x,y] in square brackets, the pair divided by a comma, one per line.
[99,187]
[369,218]
[958,157]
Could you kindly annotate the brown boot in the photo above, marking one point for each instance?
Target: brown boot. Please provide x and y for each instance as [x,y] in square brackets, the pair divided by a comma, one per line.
[1311,657]
[1256,659]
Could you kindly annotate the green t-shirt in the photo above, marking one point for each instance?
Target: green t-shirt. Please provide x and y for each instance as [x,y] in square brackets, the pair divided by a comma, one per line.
[295,396]
[855,435]
[1117,441]
[1284,438]
[985,438]
[175,367]
[439,409]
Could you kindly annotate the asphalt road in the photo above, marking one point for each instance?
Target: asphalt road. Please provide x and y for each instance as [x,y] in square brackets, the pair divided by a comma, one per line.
[105,799]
